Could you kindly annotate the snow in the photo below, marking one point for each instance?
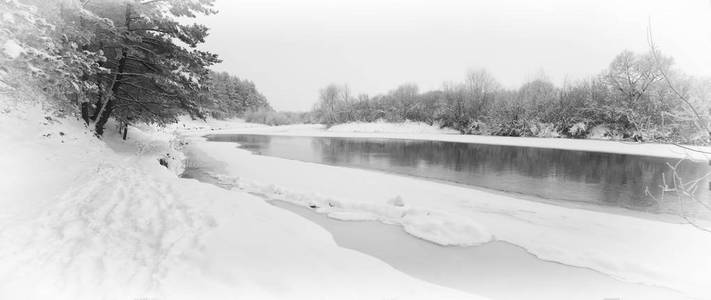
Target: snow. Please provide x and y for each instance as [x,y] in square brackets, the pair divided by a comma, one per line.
[421,131]
[385,127]
[7,17]
[12,49]
[641,250]
[444,229]
[498,270]
[83,218]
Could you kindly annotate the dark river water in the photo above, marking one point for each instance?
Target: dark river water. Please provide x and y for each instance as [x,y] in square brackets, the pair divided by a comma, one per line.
[581,176]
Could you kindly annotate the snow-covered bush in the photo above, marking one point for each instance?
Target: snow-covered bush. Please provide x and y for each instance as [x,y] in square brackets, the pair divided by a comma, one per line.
[473,127]
[578,130]
[544,130]
[600,132]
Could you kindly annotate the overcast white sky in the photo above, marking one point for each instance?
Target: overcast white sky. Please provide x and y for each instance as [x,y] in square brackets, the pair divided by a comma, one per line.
[291,48]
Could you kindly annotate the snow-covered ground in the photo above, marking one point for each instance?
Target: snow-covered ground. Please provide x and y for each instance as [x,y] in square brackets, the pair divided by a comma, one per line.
[629,248]
[490,270]
[82,218]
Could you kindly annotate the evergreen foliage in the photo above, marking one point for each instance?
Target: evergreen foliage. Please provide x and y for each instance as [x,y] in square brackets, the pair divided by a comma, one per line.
[131,60]
[154,71]
[228,96]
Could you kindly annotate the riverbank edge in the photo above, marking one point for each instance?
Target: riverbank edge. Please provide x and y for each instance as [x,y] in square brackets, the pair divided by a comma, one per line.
[414,131]
[267,185]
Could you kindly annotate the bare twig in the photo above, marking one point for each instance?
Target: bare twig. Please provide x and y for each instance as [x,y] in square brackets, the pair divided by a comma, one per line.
[691,149]
[700,122]
[684,191]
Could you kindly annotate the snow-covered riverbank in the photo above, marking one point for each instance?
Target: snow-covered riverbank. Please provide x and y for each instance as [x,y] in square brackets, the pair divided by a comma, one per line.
[421,131]
[625,247]
[82,218]
[489,270]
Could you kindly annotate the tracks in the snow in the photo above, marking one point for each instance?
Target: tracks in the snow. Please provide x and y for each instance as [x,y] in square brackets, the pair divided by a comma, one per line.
[116,223]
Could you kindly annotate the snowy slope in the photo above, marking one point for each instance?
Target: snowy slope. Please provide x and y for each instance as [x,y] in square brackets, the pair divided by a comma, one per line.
[87,219]
[629,248]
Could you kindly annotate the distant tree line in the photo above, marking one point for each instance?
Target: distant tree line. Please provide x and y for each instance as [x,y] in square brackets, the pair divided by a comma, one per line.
[227,96]
[632,99]
[276,118]
[131,60]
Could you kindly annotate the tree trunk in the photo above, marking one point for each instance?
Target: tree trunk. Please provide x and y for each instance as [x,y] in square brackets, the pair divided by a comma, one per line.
[108,106]
[85,112]
[104,116]
[125,130]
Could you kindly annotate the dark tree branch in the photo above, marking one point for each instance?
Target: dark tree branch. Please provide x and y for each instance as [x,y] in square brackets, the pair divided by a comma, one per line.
[700,120]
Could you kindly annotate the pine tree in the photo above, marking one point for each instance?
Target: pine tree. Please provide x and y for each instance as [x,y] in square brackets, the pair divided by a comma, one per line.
[229,96]
[43,46]
[155,72]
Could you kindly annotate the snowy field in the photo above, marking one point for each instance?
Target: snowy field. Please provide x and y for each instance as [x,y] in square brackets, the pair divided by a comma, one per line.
[641,250]
[82,218]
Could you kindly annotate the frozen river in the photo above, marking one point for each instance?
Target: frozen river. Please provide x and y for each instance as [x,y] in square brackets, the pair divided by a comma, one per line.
[606,179]
[497,269]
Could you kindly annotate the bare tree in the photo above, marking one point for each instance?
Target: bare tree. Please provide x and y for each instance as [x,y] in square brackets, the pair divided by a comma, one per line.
[633,78]
[480,88]
[328,103]
[684,189]
[685,192]
[700,121]
[405,99]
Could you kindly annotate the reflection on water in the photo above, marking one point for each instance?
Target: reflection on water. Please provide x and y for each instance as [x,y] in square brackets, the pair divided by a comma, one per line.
[593,177]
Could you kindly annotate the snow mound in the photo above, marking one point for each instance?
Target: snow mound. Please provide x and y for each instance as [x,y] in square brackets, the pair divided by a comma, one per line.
[437,227]
[444,229]
[12,49]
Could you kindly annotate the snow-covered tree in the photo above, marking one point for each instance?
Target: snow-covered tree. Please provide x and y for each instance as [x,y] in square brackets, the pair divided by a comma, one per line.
[155,71]
[42,46]
[229,96]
